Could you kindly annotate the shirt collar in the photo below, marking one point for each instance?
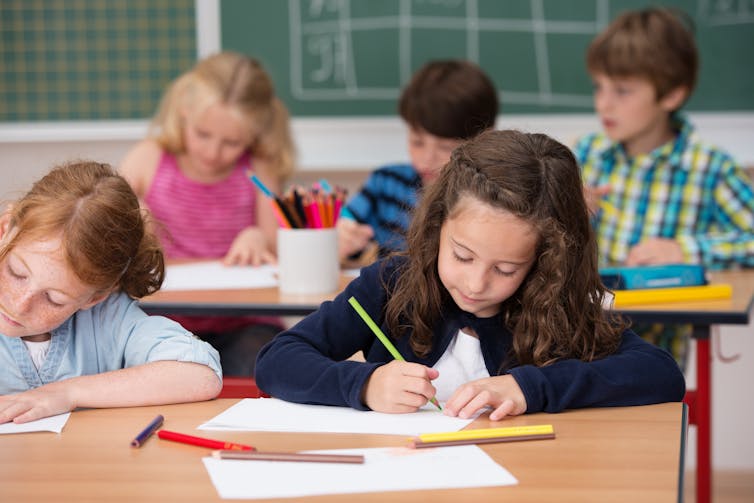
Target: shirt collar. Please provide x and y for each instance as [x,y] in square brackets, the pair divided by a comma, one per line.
[669,153]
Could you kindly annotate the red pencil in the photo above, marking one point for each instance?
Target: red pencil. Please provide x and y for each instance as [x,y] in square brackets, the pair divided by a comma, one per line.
[202,442]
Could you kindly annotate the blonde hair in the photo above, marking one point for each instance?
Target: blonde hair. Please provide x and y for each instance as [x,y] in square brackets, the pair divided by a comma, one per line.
[241,83]
[100,224]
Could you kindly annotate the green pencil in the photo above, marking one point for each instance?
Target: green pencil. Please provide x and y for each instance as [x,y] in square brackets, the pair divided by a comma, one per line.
[382,337]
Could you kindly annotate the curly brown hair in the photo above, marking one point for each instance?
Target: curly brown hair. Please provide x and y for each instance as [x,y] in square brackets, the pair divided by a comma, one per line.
[557,311]
[101,226]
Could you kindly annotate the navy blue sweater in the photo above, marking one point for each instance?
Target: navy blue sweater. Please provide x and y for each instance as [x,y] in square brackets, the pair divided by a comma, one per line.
[307,363]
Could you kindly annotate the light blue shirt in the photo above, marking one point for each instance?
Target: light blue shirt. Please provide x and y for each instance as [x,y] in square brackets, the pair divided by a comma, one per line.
[111,335]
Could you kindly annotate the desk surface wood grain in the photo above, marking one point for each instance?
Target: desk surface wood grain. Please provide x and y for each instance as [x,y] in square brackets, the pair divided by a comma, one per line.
[631,454]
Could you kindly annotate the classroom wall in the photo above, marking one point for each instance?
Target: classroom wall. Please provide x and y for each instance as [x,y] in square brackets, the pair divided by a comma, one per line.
[349,146]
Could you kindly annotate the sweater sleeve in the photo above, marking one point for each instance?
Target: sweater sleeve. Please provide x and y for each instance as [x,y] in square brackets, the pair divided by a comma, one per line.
[638,373]
[308,363]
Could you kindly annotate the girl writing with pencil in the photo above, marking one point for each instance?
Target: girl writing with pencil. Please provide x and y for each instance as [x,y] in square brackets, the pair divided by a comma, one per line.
[496,303]
[217,122]
[75,253]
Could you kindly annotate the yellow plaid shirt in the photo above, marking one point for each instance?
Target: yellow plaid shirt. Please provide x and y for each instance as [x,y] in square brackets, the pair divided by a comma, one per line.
[683,190]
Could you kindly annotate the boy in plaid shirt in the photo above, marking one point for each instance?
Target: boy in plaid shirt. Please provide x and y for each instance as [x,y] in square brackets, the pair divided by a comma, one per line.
[658,194]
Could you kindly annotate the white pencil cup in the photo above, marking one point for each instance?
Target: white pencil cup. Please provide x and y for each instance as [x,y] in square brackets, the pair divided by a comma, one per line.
[308,261]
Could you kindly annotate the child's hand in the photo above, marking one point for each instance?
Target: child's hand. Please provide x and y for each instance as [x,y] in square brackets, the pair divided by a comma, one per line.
[656,251]
[352,237]
[594,195]
[399,387]
[37,403]
[249,248]
[502,393]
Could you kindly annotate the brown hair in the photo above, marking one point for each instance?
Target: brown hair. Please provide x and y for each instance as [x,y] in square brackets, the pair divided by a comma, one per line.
[654,43]
[239,82]
[557,311]
[100,223]
[450,99]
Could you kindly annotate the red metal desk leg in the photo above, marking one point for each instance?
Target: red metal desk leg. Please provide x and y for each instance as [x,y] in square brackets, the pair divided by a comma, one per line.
[703,416]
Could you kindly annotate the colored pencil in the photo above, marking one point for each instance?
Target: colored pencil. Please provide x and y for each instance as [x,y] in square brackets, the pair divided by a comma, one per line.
[316,216]
[484,436]
[346,213]
[267,192]
[289,212]
[326,187]
[202,442]
[337,205]
[609,208]
[279,215]
[148,431]
[674,294]
[382,337]
[289,456]
[284,221]
[299,205]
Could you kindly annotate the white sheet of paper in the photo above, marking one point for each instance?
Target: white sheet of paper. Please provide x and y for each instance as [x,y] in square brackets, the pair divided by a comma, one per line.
[271,414]
[213,275]
[384,469]
[53,423]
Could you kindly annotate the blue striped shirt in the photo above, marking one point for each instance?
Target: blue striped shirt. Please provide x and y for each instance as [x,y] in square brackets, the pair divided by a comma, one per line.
[683,190]
[386,202]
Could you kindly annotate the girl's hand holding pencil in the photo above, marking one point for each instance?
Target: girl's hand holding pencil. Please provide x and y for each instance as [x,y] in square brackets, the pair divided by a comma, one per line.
[400,387]
[412,380]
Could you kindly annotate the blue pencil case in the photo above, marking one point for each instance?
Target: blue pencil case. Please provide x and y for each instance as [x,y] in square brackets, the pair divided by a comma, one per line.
[653,276]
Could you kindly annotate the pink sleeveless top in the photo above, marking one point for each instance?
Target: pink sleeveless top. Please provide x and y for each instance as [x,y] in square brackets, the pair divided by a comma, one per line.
[200,220]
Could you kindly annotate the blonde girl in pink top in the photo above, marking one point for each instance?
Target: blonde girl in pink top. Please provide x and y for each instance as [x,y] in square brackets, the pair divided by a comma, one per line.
[214,123]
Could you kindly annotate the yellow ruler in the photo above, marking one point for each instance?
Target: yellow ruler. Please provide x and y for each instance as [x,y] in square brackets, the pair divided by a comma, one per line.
[482,433]
[675,294]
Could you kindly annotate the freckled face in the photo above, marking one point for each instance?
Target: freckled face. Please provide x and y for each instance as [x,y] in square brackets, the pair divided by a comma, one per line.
[38,291]
[485,255]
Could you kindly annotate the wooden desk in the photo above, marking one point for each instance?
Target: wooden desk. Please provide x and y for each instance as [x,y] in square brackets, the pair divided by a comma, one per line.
[615,454]
[251,301]
[702,314]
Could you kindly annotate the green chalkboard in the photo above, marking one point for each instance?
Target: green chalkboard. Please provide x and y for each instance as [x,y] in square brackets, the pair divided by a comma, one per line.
[351,57]
[91,59]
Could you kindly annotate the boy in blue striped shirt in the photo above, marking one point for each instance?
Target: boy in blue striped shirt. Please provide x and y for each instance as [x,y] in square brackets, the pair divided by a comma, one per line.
[658,194]
[445,103]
